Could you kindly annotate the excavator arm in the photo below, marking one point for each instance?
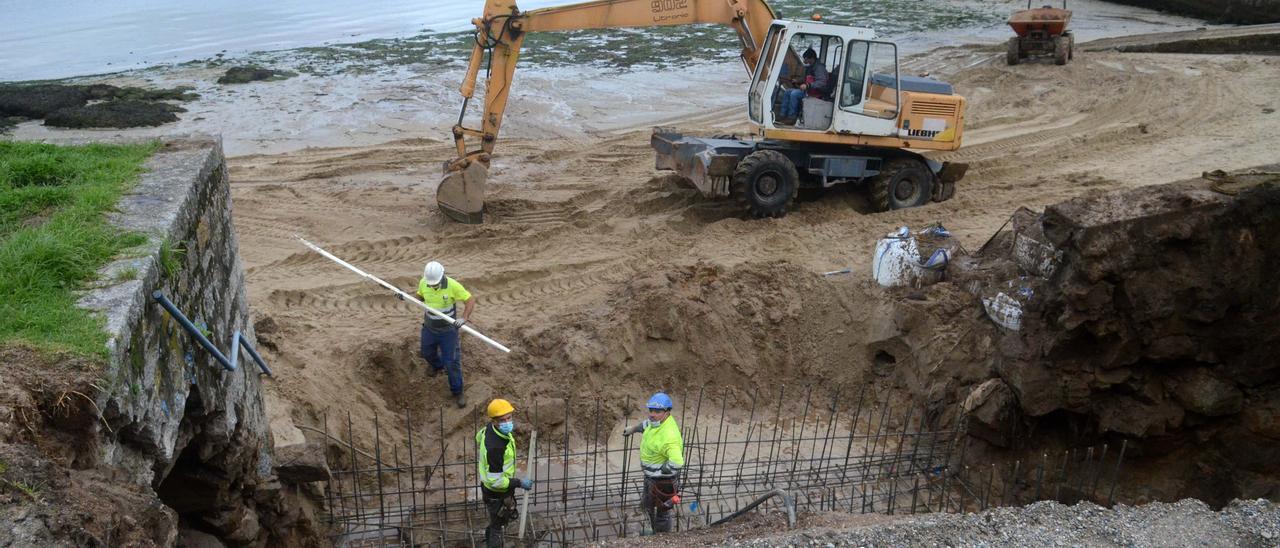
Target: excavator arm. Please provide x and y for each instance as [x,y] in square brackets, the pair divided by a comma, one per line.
[499,35]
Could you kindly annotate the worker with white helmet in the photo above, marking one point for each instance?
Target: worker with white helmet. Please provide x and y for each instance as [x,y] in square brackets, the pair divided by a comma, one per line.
[439,336]
[661,459]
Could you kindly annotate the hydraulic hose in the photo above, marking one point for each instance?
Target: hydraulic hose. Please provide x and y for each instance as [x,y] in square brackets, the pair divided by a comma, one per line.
[787,502]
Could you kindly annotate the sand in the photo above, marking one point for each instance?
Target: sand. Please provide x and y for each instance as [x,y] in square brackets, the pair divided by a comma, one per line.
[610,279]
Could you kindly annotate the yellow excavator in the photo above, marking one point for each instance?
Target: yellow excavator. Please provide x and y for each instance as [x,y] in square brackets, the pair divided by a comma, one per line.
[828,104]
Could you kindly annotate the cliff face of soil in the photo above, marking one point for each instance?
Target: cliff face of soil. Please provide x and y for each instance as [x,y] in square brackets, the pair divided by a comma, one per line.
[1151,315]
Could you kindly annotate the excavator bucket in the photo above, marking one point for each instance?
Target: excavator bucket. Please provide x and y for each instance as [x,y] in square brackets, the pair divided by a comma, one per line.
[461,193]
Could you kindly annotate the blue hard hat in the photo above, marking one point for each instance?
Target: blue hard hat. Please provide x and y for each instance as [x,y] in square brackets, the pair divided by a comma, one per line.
[659,401]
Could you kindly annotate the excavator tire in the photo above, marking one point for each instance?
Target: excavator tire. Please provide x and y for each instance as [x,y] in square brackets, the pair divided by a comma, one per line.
[1012,56]
[765,182]
[901,183]
[1061,50]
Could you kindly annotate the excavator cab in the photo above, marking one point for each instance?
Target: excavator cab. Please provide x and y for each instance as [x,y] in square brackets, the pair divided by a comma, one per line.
[860,92]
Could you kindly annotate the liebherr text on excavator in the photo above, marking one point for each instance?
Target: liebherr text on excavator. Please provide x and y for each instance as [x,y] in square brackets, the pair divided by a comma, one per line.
[863,123]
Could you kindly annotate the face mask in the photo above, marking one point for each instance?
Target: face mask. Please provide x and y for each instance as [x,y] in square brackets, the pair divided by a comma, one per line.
[506,427]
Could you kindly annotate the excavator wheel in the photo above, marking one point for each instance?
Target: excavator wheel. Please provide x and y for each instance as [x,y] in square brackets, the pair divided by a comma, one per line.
[1012,56]
[1061,50]
[901,183]
[766,182]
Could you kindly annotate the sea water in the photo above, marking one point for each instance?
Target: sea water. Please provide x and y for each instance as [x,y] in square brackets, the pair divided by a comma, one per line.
[42,39]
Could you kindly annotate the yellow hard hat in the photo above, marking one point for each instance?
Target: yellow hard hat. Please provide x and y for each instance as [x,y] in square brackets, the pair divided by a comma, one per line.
[499,407]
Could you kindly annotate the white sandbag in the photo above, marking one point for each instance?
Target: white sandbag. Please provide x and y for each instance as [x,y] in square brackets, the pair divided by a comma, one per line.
[898,262]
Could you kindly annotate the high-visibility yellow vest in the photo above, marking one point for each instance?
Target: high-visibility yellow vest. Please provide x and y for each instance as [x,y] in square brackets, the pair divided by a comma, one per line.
[500,481]
[444,299]
[661,449]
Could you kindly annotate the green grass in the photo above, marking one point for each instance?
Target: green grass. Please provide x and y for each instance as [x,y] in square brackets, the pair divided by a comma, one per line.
[54,237]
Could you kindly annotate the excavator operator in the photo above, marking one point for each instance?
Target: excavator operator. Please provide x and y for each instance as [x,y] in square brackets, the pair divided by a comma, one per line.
[816,82]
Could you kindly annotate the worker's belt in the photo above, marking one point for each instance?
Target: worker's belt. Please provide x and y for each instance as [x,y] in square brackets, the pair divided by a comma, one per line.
[432,321]
[654,471]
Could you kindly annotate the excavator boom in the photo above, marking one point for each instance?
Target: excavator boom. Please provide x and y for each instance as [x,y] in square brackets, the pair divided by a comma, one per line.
[500,33]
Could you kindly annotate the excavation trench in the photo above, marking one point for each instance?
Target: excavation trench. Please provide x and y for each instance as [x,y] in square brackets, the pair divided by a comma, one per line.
[932,399]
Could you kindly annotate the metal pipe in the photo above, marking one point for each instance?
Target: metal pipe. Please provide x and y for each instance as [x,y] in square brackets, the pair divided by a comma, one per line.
[1115,478]
[787,500]
[377,451]
[191,329]
[1102,461]
[405,296]
[244,343]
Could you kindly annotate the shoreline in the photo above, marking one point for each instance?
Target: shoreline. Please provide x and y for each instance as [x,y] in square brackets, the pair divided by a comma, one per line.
[421,101]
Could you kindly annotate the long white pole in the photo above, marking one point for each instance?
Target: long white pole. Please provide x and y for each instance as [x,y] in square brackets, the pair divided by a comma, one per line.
[406,296]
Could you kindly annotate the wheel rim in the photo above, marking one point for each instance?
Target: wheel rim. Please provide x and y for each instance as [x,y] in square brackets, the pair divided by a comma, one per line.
[906,190]
[767,184]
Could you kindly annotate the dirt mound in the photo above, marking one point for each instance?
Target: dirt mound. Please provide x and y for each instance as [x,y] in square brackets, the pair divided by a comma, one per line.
[704,325]
[47,459]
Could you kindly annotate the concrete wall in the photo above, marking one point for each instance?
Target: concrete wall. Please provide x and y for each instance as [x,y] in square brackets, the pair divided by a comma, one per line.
[175,419]
[1245,12]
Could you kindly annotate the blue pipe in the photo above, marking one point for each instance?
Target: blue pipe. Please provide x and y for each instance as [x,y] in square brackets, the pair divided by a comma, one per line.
[238,341]
[191,328]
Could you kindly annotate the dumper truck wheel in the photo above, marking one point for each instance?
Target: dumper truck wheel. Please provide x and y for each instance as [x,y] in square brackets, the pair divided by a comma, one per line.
[766,182]
[901,183]
[1061,50]
[1012,55]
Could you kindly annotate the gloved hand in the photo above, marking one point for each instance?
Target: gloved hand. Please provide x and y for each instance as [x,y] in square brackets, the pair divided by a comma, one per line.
[526,484]
[634,429]
[400,296]
[459,324]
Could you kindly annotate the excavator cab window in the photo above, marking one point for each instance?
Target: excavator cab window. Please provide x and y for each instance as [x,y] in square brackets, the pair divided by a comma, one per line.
[761,90]
[871,79]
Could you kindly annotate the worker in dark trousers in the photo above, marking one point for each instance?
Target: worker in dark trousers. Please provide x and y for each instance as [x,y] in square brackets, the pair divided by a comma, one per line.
[497,469]
[661,458]
[440,344]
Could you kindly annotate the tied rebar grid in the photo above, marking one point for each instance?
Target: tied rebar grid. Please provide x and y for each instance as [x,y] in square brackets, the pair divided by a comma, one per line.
[840,455]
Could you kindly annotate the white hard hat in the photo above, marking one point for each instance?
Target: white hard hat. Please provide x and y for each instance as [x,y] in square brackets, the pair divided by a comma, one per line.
[433,273]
